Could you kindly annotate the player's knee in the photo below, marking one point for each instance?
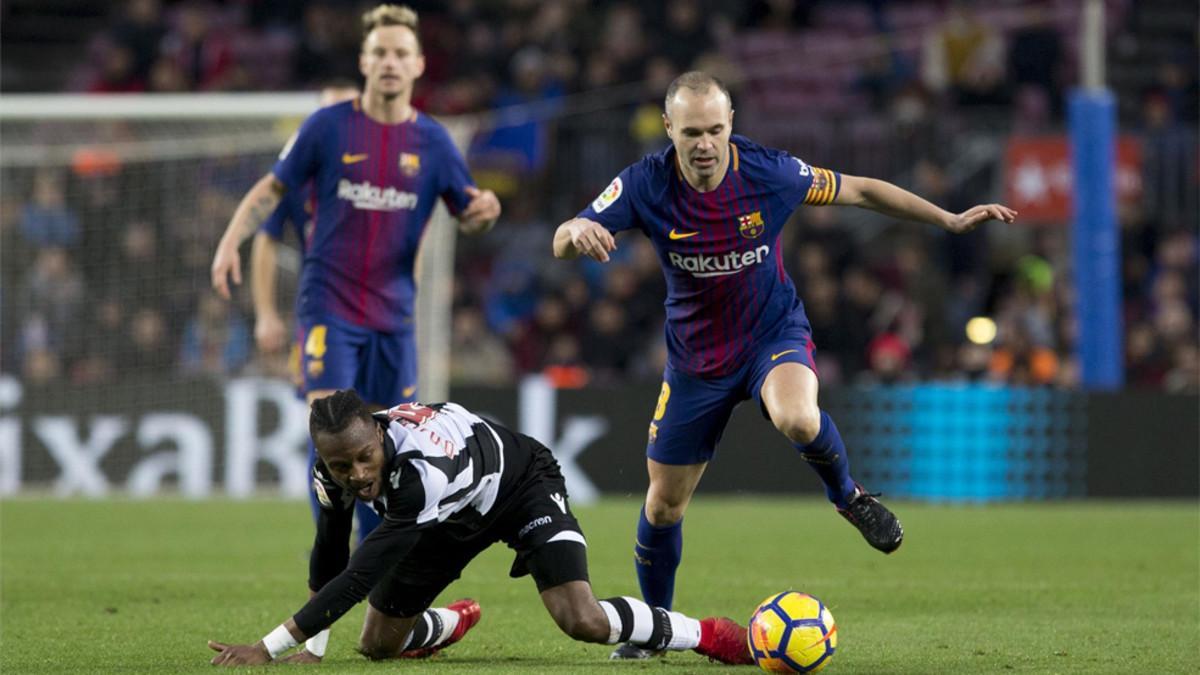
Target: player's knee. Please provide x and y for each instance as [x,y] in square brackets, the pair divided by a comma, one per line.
[801,425]
[662,513]
[584,624]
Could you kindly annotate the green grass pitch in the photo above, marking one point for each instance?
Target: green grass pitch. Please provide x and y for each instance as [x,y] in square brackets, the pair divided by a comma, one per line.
[1084,587]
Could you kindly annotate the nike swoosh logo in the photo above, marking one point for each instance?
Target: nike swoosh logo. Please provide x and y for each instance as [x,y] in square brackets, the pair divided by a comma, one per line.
[348,158]
[681,235]
[786,351]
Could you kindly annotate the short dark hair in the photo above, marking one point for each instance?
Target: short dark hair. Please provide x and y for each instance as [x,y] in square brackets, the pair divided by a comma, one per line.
[334,413]
[698,81]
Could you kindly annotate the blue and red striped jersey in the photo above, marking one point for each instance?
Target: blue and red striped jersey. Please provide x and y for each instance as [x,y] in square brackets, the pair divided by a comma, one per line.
[719,250]
[374,187]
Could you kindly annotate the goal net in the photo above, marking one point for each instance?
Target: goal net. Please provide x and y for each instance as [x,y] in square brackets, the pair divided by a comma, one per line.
[112,207]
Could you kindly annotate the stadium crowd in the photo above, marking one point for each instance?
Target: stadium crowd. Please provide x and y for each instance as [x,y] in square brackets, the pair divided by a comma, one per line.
[889,302]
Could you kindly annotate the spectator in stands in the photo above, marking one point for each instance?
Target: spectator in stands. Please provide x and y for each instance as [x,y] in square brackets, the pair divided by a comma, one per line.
[46,220]
[685,34]
[512,295]
[520,141]
[137,275]
[150,349]
[965,57]
[1035,60]
[52,299]
[41,364]
[577,297]
[1145,360]
[1018,361]
[328,45]
[550,29]
[1184,375]
[96,194]
[821,305]
[564,364]
[477,356]
[201,52]
[624,41]
[98,362]
[1170,160]
[140,30]
[1178,252]
[530,339]
[217,340]
[1178,84]
[625,288]
[883,75]
[608,345]
[889,357]
[861,294]
[645,125]
[117,72]
[167,77]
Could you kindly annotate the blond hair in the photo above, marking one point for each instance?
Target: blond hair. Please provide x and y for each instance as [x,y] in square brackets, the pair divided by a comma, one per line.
[390,15]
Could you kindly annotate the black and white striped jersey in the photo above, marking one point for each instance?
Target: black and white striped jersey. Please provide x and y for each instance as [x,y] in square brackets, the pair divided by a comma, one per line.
[456,455]
[444,467]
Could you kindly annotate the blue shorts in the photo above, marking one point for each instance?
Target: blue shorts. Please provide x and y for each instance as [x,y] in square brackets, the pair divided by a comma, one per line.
[382,367]
[692,412]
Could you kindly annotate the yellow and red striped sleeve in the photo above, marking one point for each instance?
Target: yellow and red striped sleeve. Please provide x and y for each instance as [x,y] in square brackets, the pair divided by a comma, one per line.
[823,189]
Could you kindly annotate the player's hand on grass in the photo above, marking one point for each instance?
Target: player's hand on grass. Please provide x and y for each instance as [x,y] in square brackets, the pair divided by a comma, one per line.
[976,215]
[481,212]
[239,655]
[269,332]
[591,238]
[301,657]
[226,263]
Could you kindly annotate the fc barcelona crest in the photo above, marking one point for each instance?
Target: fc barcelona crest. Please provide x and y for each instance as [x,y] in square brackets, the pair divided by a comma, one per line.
[751,225]
[410,163]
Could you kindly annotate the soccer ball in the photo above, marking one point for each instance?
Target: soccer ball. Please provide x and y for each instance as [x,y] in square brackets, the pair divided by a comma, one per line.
[792,632]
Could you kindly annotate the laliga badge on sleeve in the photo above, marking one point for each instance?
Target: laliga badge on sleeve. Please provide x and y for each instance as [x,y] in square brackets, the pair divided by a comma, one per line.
[610,195]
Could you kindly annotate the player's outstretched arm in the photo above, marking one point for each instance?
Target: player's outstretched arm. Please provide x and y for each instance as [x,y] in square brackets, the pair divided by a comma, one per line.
[269,331]
[254,208]
[481,212]
[882,196]
[580,236]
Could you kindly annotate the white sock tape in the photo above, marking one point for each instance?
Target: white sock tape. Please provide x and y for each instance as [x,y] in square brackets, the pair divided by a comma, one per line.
[316,644]
[279,641]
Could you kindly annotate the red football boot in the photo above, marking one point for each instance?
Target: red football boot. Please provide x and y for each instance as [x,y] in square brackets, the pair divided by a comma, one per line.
[468,615]
[723,640]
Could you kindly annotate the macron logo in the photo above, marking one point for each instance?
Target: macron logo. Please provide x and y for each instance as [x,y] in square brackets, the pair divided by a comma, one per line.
[703,265]
[374,198]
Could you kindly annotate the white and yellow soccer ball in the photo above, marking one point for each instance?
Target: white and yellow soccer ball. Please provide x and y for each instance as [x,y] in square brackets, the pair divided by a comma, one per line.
[792,632]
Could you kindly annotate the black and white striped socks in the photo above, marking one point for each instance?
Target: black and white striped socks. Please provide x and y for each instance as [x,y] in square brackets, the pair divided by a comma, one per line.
[433,627]
[631,620]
